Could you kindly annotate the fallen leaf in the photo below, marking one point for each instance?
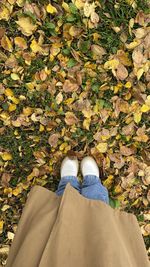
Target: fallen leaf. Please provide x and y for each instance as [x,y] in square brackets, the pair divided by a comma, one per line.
[98,51]
[4,12]
[6,156]
[88,9]
[94,17]
[128,129]
[121,72]
[51,9]
[137,117]
[1,226]
[102,147]
[137,56]
[5,207]
[26,26]
[126,151]
[70,118]
[68,86]
[59,98]
[53,139]
[20,42]
[145,108]
[86,123]
[15,76]
[6,43]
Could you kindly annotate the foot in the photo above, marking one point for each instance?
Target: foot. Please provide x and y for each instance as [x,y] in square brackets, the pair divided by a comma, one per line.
[89,166]
[69,167]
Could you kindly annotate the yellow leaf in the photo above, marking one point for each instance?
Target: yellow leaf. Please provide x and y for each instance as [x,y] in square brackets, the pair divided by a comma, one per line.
[16,123]
[20,3]
[63,146]
[89,9]
[118,189]
[20,42]
[30,85]
[66,7]
[35,46]
[108,182]
[128,85]
[69,101]
[102,147]
[79,3]
[139,73]
[6,43]
[133,44]
[145,108]
[86,123]
[26,26]
[27,111]
[15,76]
[41,129]
[14,100]
[51,9]
[6,156]
[111,64]
[147,101]
[1,226]
[8,92]
[5,207]
[96,36]
[12,107]
[87,113]
[4,13]
[137,117]
[55,49]
[4,115]
[17,191]
[59,98]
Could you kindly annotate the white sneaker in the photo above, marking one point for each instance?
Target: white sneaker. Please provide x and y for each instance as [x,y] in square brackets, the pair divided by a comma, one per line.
[69,167]
[89,166]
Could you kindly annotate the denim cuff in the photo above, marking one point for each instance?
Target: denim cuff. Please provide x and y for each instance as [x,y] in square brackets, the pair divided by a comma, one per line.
[91,179]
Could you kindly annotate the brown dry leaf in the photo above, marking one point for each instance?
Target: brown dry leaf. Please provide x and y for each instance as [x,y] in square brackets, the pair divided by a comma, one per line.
[94,17]
[126,151]
[59,98]
[140,18]
[141,136]
[118,159]
[70,118]
[6,43]
[121,72]
[123,106]
[140,33]
[53,139]
[20,42]
[68,86]
[123,58]
[75,31]
[128,129]
[2,32]
[137,56]
[98,51]
[5,179]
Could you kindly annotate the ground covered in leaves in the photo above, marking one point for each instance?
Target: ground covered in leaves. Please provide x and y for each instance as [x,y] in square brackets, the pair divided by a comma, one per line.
[74,79]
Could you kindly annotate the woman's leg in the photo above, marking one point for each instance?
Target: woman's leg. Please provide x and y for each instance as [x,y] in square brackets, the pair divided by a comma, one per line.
[92,188]
[73,180]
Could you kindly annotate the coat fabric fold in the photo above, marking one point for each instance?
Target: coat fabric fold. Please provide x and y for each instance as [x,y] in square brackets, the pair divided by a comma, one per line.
[73,231]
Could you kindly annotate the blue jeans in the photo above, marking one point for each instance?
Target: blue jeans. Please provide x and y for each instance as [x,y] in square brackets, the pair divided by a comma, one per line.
[91,188]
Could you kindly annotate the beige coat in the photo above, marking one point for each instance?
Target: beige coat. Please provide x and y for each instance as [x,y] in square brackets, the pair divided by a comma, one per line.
[73,231]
